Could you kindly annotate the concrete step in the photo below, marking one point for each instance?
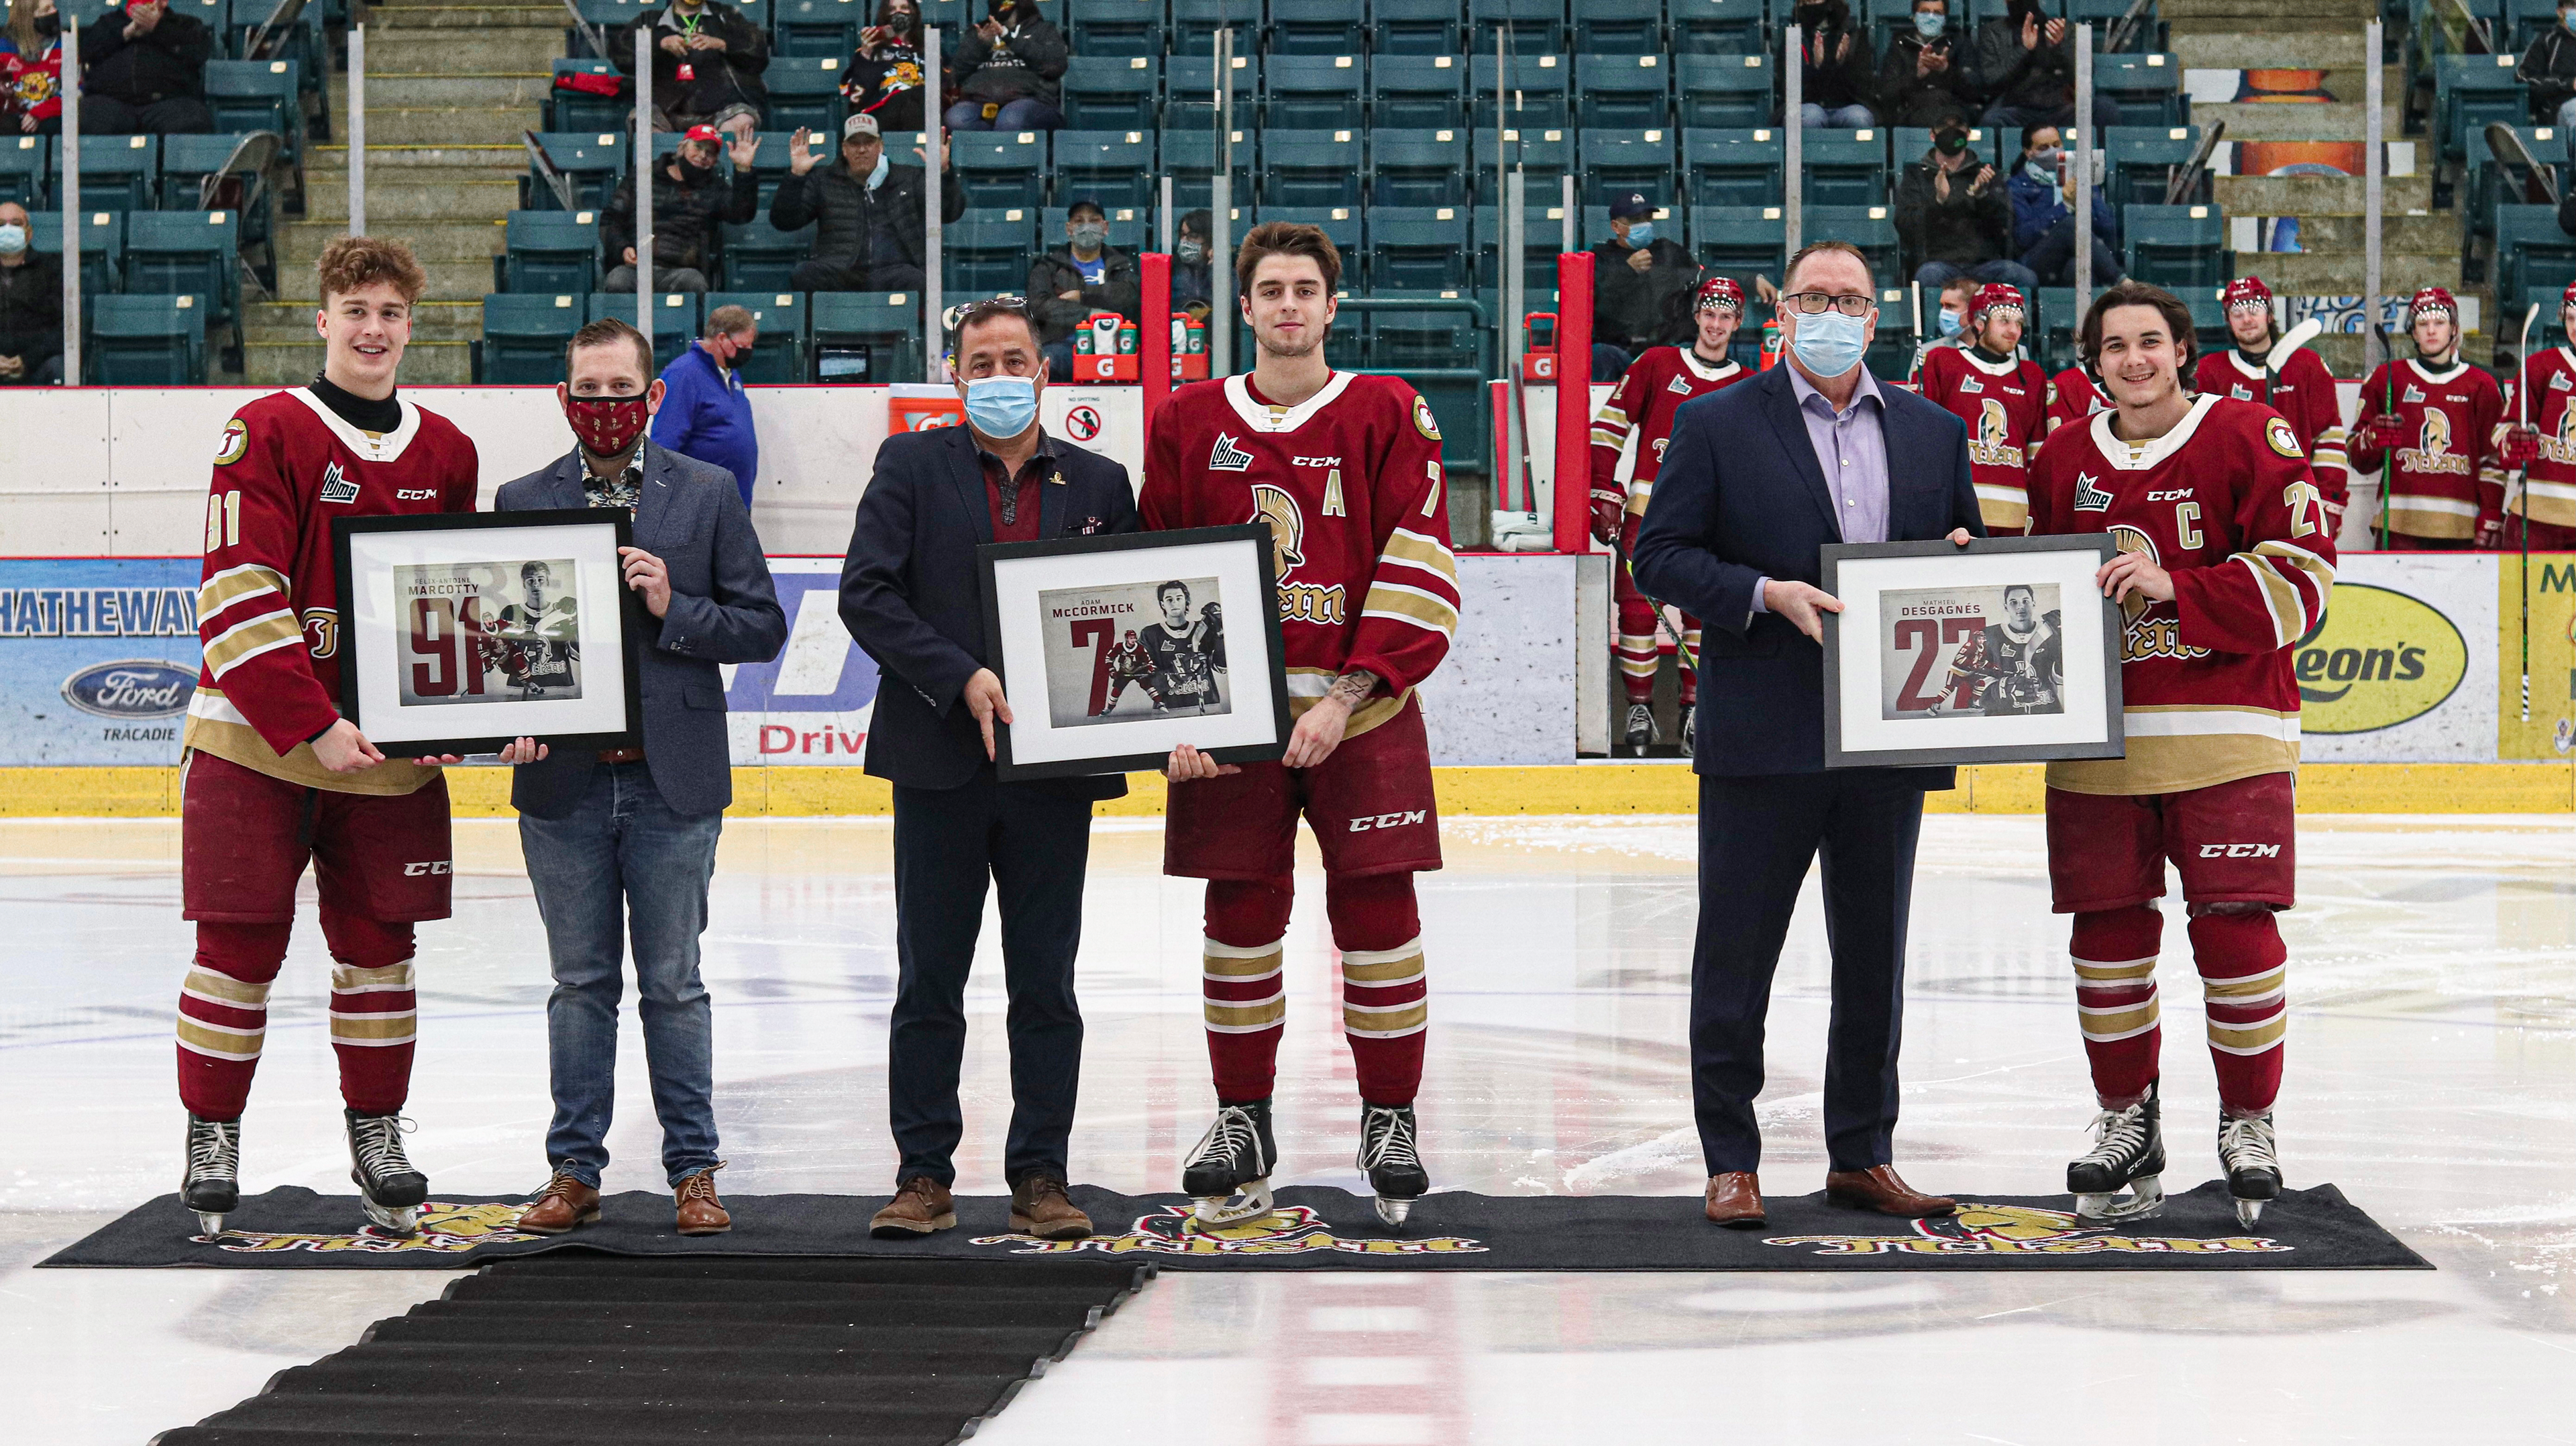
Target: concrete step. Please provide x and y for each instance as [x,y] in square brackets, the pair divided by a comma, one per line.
[450,125]
[498,48]
[400,18]
[425,363]
[2340,273]
[494,89]
[2261,121]
[409,196]
[2322,11]
[2318,195]
[2436,233]
[2299,49]
[469,239]
[287,323]
[439,161]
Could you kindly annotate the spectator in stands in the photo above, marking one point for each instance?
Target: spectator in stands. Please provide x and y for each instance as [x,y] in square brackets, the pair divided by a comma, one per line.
[2548,67]
[707,60]
[2023,63]
[1008,72]
[143,72]
[705,414]
[1191,286]
[1949,324]
[1834,52]
[872,233]
[1923,77]
[31,306]
[1952,212]
[1642,285]
[31,69]
[885,72]
[2043,207]
[1084,276]
[690,200]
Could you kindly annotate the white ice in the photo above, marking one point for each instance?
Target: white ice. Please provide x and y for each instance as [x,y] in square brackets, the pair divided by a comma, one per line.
[2431,1074]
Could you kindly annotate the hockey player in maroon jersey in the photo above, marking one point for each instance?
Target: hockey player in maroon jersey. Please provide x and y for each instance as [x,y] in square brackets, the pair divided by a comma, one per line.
[2304,393]
[275,777]
[2072,397]
[2226,558]
[2001,395]
[1644,402]
[2545,449]
[1345,470]
[1128,663]
[2431,423]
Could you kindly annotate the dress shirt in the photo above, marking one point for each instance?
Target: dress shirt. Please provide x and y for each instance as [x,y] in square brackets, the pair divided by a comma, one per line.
[1851,450]
[1013,501]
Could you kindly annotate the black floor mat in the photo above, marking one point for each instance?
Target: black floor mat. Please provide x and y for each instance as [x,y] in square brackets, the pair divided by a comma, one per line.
[1315,1229]
[580,1347]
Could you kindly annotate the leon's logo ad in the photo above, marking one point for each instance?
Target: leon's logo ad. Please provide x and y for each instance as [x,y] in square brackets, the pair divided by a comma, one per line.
[2380,658]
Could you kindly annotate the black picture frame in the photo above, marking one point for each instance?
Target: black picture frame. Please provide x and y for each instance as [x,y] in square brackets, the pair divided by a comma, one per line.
[1255,535]
[2098,545]
[631,622]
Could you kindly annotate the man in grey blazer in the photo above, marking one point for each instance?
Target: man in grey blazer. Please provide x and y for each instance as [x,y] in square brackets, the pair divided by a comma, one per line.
[627,840]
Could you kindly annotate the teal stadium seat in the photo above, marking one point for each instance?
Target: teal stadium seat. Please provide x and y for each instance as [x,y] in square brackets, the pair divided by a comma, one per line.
[1545,155]
[1846,168]
[1112,92]
[1616,163]
[1189,89]
[1525,27]
[1318,27]
[1536,90]
[1417,248]
[1313,92]
[550,251]
[2146,90]
[2142,160]
[258,95]
[760,257]
[1723,92]
[1542,241]
[1428,339]
[867,336]
[1196,22]
[577,110]
[118,173]
[1310,168]
[1189,158]
[1115,168]
[676,315]
[2492,184]
[1104,29]
[1733,168]
[987,252]
[778,357]
[1871,228]
[593,161]
[1741,242]
[1623,92]
[180,253]
[2533,253]
[102,245]
[222,172]
[1415,27]
[524,337]
[1418,92]
[805,93]
[1717,27]
[819,27]
[2177,247]
[1891,347]
[146,341]
[2468,92]
[1000,168]
[25,162]
[1619,27]
[1340,224]
[1418,168]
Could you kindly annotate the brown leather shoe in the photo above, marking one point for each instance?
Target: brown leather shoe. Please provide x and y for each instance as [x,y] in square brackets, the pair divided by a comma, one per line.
[919,1207]
[700,1212]
[565,1204]
[1878,1189]
[1735,1199]
[1039,1208]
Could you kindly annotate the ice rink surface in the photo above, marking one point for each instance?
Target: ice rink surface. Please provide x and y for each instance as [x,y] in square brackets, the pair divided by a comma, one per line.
[2431,1074]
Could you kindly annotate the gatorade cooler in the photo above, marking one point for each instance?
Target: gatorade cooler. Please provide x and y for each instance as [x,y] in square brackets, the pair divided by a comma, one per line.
[1538,363]
[1189,348]
[1104,349]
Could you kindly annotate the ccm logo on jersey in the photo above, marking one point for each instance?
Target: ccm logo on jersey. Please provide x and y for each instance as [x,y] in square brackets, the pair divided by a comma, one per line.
[2240,851]
[1315,461]
[415,494]
[1388,820]
[2179,494]
[413,871]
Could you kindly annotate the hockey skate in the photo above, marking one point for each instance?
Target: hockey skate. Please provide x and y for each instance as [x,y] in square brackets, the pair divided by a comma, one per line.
[2253,1166]
[1687,729]
[2128,1153]
[1389,1157]
[388,1187]
[1640,734]
[212,1184]
[1228,1175]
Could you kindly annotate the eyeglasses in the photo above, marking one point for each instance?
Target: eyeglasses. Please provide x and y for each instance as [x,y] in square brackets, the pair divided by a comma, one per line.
[1814,303]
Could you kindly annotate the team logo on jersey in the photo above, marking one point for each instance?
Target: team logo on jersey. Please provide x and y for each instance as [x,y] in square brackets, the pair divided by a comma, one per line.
[444,1230]
[1298,601]
[1981,1229]
[2413,393]
[1993,445]
[336,486]
[1227,457]
[2432,452]
[1286,1230]
[2559,444]
[2283,440]
[1971,384]
[1679,385]
[2089,496]
[235,442]
[2154,630]
[2240,393]
[1422,421]
[2558,382]
[322,632]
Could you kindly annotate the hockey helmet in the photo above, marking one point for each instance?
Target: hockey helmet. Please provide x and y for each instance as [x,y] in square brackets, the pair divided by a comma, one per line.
[2567,298]
[2248,291]
[1992,297]
[1720,291]
[2430,300]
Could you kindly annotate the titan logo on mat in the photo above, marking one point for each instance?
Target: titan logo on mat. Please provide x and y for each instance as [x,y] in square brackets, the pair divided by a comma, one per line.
[2020,1230]
[444,1229]
[1287,1230]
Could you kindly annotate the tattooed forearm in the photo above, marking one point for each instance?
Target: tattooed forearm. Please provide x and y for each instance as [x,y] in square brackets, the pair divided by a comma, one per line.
[1354,687]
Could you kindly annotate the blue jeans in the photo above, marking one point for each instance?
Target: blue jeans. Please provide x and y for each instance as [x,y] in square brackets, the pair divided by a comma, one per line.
[1028,113]
[1840,118]
[1933,275]
[622,862]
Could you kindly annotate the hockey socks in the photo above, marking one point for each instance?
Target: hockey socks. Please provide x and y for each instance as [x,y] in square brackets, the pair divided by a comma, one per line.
[223,1012]
[1246,997]
[1385,1008]
[1639,652]
[2242,970]
[2115,999]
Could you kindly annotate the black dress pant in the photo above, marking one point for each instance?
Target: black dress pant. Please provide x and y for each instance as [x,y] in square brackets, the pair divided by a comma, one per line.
[1756,838]
[178,115]
[1031,841]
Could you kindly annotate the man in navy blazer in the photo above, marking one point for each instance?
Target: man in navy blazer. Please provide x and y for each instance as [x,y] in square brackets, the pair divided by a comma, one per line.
[1755,480]
[911,593]
[623,843]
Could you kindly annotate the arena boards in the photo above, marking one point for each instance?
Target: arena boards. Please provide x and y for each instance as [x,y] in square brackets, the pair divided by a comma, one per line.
[1312,1229]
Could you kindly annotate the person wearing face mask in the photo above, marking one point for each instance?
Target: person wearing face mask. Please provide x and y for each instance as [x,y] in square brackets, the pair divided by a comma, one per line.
[1190,263]
[2548,68]
[1755,480]
[1834,53]
[31,69]
[1949,324]
[2042,192]
[691,201]
[621,843]
[705,413]
[1952,212]
[2023,64]
[31,306]
[885,70]
[1924,75]
[871,233]
[911,597]
[1010,71]
[1083,276]
[1642,286]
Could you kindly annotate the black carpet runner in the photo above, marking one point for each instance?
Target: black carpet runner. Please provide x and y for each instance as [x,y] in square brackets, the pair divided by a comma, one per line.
[579,1348]
[1312,1229]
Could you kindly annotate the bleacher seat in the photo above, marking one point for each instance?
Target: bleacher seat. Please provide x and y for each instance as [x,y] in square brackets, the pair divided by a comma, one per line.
[1428,339]
[222,172]
[569,111]
[1535,90]
[593,161]
[1130,228]
[819,27]
[1670,224]
[1319,27]
[1622,92]
[1722,92]
[1189,86]
[524,337]
[117,172]
[1717,27]
[24,165]
[760,257]
[1526,27]
[1891,347]
[987,252]
[2177,247]
[2468,92]
[1418,168]
[1846,168]
[2526,21]
[1100,29]
[1189,158]
[675,317]
[779,355]
[1619,27]
[1000,168]
[1309,168]
[102,245]
[604,16]
[2492,185]
[1313,93]
[1871,228]
[804,92]
[2050,333]
[1418,92]
[1115,168]
[1417,248]
[180,253]
[1340,224]
[2141,161]
[1545,155]
[258,95]
[550,251]
[2146,90]
[1196,22]
[2533,253]
[1618,162]
[867,336]
[1733,167]
[1542,241]
[1112,92]
[146,341]
[1415,27]
[1740,241]
[776,161]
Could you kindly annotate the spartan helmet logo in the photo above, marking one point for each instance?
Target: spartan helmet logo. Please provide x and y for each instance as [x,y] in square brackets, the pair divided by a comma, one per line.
[2129,539]
[1273,505]
[2567,427]
[2007,1223]
[1992,429]
[2436,437]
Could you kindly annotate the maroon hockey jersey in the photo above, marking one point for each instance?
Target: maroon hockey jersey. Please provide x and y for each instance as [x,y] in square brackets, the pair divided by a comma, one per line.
[268,609]
[1644,401]
[1350,484]
[2226,503]
[2005,405]
[2444,478]
[2550,377]
[2072,397]
[2304,395]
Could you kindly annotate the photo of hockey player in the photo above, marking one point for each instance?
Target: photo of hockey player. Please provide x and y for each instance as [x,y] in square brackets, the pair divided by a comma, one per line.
[1136,650]
[489,632]
[1971,652]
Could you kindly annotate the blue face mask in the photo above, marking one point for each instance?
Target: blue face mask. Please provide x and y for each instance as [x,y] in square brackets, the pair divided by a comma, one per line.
[1949,323]
[13,239]
[1930,23]
[1641,234]
[2568,19]
[1002,407]
[877,173]
[1829,343]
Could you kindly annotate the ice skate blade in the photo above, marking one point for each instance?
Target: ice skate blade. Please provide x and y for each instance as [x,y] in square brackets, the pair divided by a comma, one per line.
[1393,1212]
[2248,1212]
[402,1220]
[2145,1200]
[1249,1202]
[210,1224]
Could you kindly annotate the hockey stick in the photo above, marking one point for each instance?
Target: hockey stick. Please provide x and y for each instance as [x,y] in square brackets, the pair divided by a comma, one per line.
[2522,493]
[551,174]
[2387,408]
[2282,350]
[2508,149]
[2180,185]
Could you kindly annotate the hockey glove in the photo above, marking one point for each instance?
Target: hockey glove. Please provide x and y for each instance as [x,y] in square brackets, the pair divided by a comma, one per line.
[2490,531]
[1609,512]
[2521,447]
[2384,431]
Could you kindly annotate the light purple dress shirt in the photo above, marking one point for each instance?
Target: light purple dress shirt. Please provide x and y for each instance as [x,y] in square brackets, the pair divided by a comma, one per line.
[1851,450]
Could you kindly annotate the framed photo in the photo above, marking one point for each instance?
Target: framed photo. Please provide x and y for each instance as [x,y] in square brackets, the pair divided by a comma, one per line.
[1115,650]
[462,631]
[2002,651]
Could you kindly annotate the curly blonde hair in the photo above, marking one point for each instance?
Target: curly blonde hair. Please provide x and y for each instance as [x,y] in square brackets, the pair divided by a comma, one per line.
[352,262]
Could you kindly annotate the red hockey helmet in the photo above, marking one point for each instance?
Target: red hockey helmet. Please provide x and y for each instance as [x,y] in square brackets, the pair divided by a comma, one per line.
[2248,291]
[1991,297]
[2431,299]
[2567,298]
[1720,291]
